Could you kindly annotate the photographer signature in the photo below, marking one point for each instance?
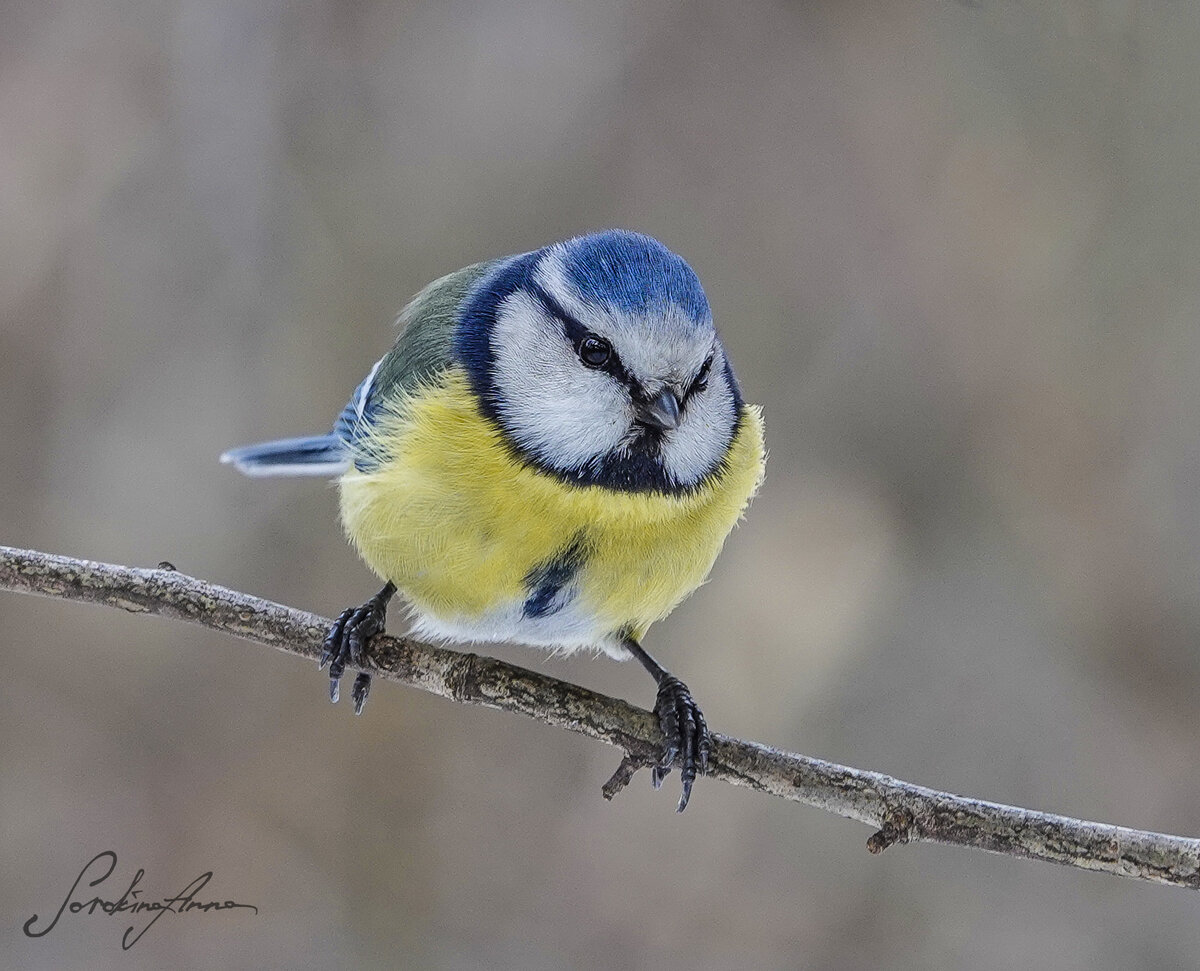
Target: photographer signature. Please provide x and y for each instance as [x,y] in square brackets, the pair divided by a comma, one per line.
[184,902]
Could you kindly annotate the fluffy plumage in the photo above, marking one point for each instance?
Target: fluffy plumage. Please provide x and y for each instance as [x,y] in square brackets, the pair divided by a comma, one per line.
[511,491]
[552,452]
[469,531]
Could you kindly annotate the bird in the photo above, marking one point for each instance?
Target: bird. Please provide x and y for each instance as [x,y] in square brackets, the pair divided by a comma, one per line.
[552,453]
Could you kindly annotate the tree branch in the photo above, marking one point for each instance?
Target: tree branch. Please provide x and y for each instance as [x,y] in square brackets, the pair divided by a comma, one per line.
[901,812]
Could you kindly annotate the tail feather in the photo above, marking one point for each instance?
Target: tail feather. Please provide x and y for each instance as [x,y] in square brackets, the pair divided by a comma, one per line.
[312,455]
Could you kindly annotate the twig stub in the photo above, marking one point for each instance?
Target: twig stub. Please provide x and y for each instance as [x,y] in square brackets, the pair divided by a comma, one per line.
[896,828]
[622,777]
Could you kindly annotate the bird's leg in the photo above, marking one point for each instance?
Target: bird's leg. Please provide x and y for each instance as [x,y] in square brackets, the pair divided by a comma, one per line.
[685,733]
[347,640]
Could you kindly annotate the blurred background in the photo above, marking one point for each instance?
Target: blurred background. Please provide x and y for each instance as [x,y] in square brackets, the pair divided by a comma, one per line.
[952,248]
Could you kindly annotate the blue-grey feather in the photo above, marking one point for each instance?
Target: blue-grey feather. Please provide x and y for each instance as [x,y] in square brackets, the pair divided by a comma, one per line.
[308,455]
[423,349]
[547,581]
[357,409]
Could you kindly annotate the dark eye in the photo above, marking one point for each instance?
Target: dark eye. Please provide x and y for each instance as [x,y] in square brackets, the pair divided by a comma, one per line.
[594,351]
[701,381]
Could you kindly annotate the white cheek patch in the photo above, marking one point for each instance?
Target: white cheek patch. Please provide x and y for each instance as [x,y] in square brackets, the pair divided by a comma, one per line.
[551,405]
[696,447]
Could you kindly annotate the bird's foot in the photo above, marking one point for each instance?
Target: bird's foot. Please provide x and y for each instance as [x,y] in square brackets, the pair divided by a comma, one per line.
[346,644]
[685,736]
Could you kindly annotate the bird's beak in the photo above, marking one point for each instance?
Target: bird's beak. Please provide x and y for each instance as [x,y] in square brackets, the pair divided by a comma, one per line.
[661,411]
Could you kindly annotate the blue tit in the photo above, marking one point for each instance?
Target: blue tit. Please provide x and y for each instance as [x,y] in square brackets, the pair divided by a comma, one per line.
[552,453]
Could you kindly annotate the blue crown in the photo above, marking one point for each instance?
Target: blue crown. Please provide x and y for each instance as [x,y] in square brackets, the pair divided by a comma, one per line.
[633,273]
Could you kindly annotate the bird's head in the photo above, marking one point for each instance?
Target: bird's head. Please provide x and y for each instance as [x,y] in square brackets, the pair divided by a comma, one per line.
[598,359]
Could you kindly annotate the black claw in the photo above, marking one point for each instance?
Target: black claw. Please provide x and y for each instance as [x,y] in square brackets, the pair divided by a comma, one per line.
[362,687]
[685,736]
[347,642]
[684,796]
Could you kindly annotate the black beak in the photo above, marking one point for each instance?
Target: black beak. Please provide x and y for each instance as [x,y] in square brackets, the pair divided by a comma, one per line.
[661,411]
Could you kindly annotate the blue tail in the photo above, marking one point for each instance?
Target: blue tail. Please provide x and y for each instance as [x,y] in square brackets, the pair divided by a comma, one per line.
[326,455]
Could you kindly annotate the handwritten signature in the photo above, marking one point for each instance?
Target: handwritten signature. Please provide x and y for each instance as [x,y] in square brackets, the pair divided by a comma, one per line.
[184,902]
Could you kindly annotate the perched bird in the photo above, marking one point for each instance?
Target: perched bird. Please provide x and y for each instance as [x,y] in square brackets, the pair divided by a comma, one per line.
[552,453]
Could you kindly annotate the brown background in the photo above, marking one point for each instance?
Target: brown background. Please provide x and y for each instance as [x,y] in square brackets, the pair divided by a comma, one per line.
[953,250]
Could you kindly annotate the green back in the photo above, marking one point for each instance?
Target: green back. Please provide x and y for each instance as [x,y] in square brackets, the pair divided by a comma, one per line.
[425,345]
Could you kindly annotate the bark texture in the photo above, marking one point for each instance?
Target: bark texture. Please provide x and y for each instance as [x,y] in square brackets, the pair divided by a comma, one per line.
[900,812]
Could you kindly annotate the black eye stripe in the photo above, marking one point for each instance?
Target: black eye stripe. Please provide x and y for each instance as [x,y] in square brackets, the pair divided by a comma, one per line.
[576,333]
[700,382]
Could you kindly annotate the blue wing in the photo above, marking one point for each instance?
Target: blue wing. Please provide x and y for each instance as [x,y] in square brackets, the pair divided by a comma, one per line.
[318,455]
[423,348]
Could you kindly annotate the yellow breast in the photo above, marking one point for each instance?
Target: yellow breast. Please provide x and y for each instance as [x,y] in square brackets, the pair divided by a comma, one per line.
[458,522]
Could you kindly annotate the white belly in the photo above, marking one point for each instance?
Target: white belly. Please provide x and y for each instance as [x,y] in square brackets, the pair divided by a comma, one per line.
[567,629]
